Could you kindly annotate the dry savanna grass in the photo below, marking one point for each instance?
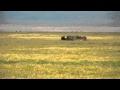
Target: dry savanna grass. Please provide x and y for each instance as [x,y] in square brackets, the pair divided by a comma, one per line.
[46,56]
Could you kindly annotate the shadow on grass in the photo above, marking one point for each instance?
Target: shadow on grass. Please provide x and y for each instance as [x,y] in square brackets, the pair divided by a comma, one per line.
[82,63]
[14,62]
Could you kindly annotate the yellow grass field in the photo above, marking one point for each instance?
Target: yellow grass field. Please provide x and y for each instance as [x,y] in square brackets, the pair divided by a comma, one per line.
[45,56]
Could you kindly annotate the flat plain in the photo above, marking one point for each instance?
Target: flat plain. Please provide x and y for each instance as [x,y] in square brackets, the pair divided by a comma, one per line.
[44,55]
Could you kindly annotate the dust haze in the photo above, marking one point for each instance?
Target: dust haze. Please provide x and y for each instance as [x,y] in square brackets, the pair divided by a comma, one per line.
[110,22]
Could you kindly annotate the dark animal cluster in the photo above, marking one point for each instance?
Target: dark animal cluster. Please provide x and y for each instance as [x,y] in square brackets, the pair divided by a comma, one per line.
[74,38]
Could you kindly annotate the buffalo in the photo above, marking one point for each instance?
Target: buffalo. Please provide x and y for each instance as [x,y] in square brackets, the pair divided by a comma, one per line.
[70,38]
[84,38]
[67,38]
[77,37]
[63,38]
[74,38]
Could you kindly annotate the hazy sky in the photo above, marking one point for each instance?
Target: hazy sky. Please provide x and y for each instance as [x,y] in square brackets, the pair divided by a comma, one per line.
[53,15]
[72,17]
[19,19]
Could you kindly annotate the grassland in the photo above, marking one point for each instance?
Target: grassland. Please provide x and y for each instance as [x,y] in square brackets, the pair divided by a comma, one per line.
[45,56]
